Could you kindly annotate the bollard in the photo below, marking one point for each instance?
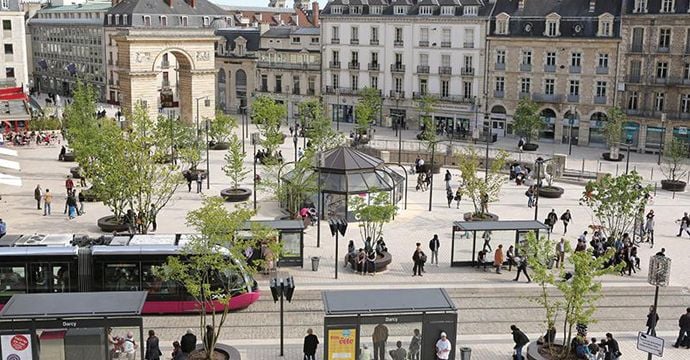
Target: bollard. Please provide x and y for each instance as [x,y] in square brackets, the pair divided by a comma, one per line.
[583,167]
[651,176]
[635,168]
[616,170]
[599,162]
[654,189]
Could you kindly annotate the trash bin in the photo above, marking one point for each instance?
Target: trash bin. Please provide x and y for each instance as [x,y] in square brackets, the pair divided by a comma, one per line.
[315,263]
[465,353]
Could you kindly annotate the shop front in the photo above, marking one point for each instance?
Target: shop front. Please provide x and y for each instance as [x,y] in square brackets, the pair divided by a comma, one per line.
[631,133]
[683,134]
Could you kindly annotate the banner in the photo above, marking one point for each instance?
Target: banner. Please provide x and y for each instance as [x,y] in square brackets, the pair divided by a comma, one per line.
[341,344]
[16,347]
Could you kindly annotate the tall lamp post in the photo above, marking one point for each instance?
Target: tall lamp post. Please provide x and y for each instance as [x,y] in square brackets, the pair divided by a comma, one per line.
[207,103]
[659,275]
[243,119]
[539,164]
[282,288]
[489,138]
[337,94]
[628,142]
[571,122]
[663,133]
[255,140]
[338,227]
[208,165]
[294,141]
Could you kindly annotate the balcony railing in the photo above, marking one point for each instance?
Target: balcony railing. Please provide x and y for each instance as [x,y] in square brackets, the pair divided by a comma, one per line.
[398,43]
[547,97]
[354,41]
[423,43]
[373,41]
[374,66]
[341,91]
[467,71]
[335,41]
[635,79]
[288,66]
[263,89]
[422,69]
[397,94]
[600,100]
[353,65]
[446,98]
[397,68]
[550,68]
[525,67]
[445,70]
[468,45]
[601,70]
[573,98]
[445,44]
[334,64]
[636,48]
[574,69]
[662,49]
[500,66]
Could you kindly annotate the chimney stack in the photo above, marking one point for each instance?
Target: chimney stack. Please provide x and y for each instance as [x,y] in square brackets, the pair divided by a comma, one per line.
[521,4]
[592,5]
[315,13]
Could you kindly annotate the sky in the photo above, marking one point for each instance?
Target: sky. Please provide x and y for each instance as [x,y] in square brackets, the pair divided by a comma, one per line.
[256,2]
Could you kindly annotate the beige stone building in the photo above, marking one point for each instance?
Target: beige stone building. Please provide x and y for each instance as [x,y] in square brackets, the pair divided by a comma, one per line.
[561,54]
[236,55]
[655,89]
[13,64]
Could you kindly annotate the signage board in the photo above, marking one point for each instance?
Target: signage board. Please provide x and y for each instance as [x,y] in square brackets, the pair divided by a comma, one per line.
[650,344]
[16,347]
[342,344]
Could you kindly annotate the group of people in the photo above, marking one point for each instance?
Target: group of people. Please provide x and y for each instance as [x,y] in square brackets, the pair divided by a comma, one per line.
[261,155]
[379,338]
[74,203]
[23,138]
[137,222]
[363,260]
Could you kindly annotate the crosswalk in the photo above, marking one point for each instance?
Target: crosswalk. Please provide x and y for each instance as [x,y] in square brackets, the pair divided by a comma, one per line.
[7,179]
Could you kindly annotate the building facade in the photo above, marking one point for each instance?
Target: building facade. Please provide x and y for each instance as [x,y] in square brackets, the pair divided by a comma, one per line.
[67,46]
[13,65]
[289,66]
[406,50]
[563,55]
[236,55]
[655,90]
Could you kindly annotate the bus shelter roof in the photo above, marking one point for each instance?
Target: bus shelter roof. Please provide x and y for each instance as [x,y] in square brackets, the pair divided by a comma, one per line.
[512,225]
[85,304]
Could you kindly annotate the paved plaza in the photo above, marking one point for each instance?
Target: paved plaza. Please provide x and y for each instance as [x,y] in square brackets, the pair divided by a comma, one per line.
[415,224]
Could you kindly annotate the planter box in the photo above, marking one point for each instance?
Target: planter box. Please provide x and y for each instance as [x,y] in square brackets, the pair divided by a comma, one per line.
[75,172]
[220,146]
[468,216]
[550,192]
[108,224]
[607,156]
[90,195]
[530,147]
[235,195]
[675,186]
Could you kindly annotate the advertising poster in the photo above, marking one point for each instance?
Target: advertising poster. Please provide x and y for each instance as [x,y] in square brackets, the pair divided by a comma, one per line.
[16,347]
[341,344]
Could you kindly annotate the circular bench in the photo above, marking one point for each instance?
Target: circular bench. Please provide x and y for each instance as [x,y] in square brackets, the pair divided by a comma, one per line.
[382,262]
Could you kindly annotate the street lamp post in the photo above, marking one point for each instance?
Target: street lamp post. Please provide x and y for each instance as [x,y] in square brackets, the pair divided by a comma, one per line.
[659,275]
[294,140]
[337,94]
[663,133]
[255,141]
[282,288]
[243,113]
[571,121]
[539,164]
[338,227]
[489,138]
[627,155]
[208,165]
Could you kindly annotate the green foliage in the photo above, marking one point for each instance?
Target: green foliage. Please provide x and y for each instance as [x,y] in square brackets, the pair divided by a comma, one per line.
[540,253]
[675,156]
[469,162]
[267,115]
[318,127]
[613,129]
[527,121]
[43,123]
[80,117]
[373,215]
[171,131]
[221,127]
[234,162]
[206,260]
[372,99]
[367,109]
[615,201]
[425,106]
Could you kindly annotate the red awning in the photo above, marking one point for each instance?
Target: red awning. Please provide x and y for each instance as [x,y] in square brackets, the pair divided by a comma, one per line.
[14,93]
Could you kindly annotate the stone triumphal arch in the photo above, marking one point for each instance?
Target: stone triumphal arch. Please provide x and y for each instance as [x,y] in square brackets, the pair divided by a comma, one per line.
[140,53]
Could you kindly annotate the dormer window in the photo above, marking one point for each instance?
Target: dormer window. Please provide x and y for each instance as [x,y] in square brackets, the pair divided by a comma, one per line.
[184,21]
[356,10]
[553,21]
[502,21]
[426,10]
[640,6]
[146,19]
[117,19]
[668,6]
[207,21]
[470,10]
[605,25]
[376,10]
[338,10]
[164,20]
[110,19]
[448,10]
[400,10]
[124,19]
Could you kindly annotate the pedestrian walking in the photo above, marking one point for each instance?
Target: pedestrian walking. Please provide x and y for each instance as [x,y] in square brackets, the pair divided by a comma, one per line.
[199,181]
[487,240]
[530,196]
[458,197]
[188,342]
[69,184]
[560,253]
[510,255]
[649,227]
[499,258]
[153,351]
[188,177]
[419,258]
[520,340]
[684,334]
[652,320]
[566,218]
[379,338]
[449,196]
[81,203]
[152,216]
[447,178]
[551,219]
[71,204]
[37,196]
[434,245]
[613,352]
[47,202]
[684,225]
[443,347]
[311,342]
[415,345]
[522,268]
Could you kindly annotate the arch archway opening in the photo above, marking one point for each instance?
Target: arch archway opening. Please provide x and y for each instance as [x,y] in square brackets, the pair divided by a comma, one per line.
[548,117]
[597,123]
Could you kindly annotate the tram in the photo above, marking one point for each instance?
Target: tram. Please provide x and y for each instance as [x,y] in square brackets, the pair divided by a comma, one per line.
[53,263]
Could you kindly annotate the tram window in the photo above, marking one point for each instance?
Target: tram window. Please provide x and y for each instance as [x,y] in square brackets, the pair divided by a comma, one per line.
[155,285]
[121,277]
[49,278]
[60,278]
[12,280]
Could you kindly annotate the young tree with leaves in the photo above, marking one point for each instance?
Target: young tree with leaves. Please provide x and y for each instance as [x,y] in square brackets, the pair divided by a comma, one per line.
[615,202]
[203,267]
[476,187]
[527,121]
[675,157]
[373,215]
[318,127]
[371,98]
[267,115]
[234,162]
[425,106]
[220,128]
[613,130]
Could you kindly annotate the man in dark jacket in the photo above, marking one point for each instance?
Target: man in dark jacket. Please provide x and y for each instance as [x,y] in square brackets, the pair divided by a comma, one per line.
[310,344]
[153,352]
[434,245]
[684,334]
[613,352]
[652,320]
[520,340]
[551,219]
[188,342]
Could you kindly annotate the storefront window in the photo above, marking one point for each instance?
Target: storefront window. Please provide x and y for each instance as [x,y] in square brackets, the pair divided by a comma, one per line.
[654,137]
[596,128]
[631,131]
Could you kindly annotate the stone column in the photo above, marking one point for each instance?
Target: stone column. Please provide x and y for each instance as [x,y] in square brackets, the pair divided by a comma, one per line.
[138,87]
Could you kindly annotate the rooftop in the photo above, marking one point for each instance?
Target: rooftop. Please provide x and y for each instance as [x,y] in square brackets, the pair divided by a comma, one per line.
[370,302]
[91,304]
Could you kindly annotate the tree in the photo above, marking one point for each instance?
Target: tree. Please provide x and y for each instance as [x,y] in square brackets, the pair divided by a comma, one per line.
[221,127]
[318,127]
[371,97]
[366,109]
[527,121]
[189,146]
[540,254]
[44,122]
[80,119]
[267,115]
[173,132]
[674,167]
[425,106]
[373,215]
[234,159]
[203,267]
[474,186]
[615,202]
[613,129]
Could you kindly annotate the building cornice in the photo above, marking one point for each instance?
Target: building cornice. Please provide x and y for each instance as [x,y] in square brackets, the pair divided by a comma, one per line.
[385,20]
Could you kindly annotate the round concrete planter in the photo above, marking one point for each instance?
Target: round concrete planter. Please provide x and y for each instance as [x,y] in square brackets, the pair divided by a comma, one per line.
[108,224]
[221,352]
[468,216]
[89,195]
[220,146]
[68,157]
[235,195]
[550,192]
[530,147]
[607,156]
[75,172]
[675,186]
